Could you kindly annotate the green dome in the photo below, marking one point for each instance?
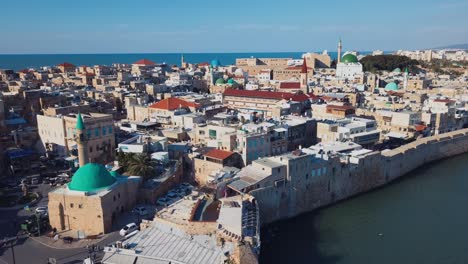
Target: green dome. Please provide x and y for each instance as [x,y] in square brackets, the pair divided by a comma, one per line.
[91,177]
[220,81]
[231,81]
[391,87]
[397,70]
[349,58]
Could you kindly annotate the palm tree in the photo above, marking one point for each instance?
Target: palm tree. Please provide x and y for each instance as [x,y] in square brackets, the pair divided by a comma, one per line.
[141,165]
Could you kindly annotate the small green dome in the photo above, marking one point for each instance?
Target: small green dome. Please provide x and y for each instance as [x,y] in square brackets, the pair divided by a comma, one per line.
[391,87]
[397,70]
[91,177]
[231,81]
[349,58]
[220,81]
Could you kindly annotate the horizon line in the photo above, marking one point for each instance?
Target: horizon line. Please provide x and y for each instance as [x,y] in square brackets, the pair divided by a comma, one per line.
[184,53]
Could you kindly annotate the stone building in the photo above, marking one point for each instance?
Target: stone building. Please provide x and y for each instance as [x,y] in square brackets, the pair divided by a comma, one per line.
[58,135]
[95,197]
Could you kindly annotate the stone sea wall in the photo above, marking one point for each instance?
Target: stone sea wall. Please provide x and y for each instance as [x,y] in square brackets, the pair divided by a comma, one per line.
[346,178]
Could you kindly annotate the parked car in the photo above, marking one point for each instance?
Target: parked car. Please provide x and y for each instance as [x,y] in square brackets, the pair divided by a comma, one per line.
[187,185]
[42,210]
[128,229]
[162,201]
[173,195]
[140,211]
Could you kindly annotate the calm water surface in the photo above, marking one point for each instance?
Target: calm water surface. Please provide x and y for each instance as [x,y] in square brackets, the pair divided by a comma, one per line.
[422,218]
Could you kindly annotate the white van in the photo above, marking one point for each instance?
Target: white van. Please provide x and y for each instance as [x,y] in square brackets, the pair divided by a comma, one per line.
[128,229]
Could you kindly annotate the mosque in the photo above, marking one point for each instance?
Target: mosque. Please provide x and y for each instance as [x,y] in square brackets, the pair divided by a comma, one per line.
[95,197]
[348,66]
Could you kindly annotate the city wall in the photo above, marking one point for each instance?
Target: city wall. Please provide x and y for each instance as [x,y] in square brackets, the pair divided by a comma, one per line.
[351,176]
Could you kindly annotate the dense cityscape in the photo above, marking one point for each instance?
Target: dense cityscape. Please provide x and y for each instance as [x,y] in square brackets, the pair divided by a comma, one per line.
[155,163]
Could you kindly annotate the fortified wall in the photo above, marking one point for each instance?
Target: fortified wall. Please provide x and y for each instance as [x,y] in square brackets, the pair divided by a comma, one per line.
[344,177]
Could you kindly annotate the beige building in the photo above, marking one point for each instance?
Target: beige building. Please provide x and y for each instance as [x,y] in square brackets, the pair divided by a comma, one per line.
[212,161]
[58,135]
[90,204]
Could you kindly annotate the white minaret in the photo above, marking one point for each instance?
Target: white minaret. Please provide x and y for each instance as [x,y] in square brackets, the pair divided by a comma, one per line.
[405,81]
[340,47]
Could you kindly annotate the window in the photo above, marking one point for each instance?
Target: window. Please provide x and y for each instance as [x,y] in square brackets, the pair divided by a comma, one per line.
[307,175]
[90,149]
[212,133]
[313,173]
[88,133]
[96,132]
[110,129]
[80,206]
[324,170]
[104,131]
[71,205]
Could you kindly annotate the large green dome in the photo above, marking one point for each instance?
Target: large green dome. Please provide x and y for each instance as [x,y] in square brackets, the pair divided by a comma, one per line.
[349,58]
[91,177]
[391,87]
[220,81]
[397,70]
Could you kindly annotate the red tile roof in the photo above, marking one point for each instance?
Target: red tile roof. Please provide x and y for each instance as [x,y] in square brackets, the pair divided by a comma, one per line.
[443,101]
[290,85]
[66,65]
[219,154]
[419,127]
[203,64]
[173,103]
[266,95]
[144,62]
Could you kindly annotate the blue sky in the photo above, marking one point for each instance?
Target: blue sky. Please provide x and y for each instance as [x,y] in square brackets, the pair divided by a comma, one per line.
[98,26]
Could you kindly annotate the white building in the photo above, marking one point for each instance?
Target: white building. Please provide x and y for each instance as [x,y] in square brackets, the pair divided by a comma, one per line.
[349,67]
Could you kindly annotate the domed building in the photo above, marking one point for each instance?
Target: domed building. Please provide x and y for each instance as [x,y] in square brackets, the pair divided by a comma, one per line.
[391,87]
[220,81]
[215,63]
[348,67]
[95,197]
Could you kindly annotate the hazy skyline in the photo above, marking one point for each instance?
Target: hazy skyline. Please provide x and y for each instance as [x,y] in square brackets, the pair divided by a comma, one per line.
[237,26]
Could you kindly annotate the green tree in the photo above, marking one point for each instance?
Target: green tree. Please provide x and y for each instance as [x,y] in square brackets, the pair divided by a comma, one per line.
[141,165]
[124,158]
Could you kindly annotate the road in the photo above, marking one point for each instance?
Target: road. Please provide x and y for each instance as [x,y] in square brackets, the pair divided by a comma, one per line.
[27,250]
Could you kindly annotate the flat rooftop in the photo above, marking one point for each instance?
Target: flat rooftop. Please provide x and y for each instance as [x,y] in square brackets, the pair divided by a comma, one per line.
[161,243]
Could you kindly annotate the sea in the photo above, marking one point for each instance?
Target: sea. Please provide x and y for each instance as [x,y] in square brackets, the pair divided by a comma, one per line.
[421,218]
[27,61]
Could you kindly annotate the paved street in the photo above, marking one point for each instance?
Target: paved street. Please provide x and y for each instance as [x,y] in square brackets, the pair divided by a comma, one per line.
[28,250]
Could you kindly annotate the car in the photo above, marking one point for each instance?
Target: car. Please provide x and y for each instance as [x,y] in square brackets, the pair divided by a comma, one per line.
[128,229]
[173,195]
[42,210]
[140,211]
[186,185]
[163,201]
